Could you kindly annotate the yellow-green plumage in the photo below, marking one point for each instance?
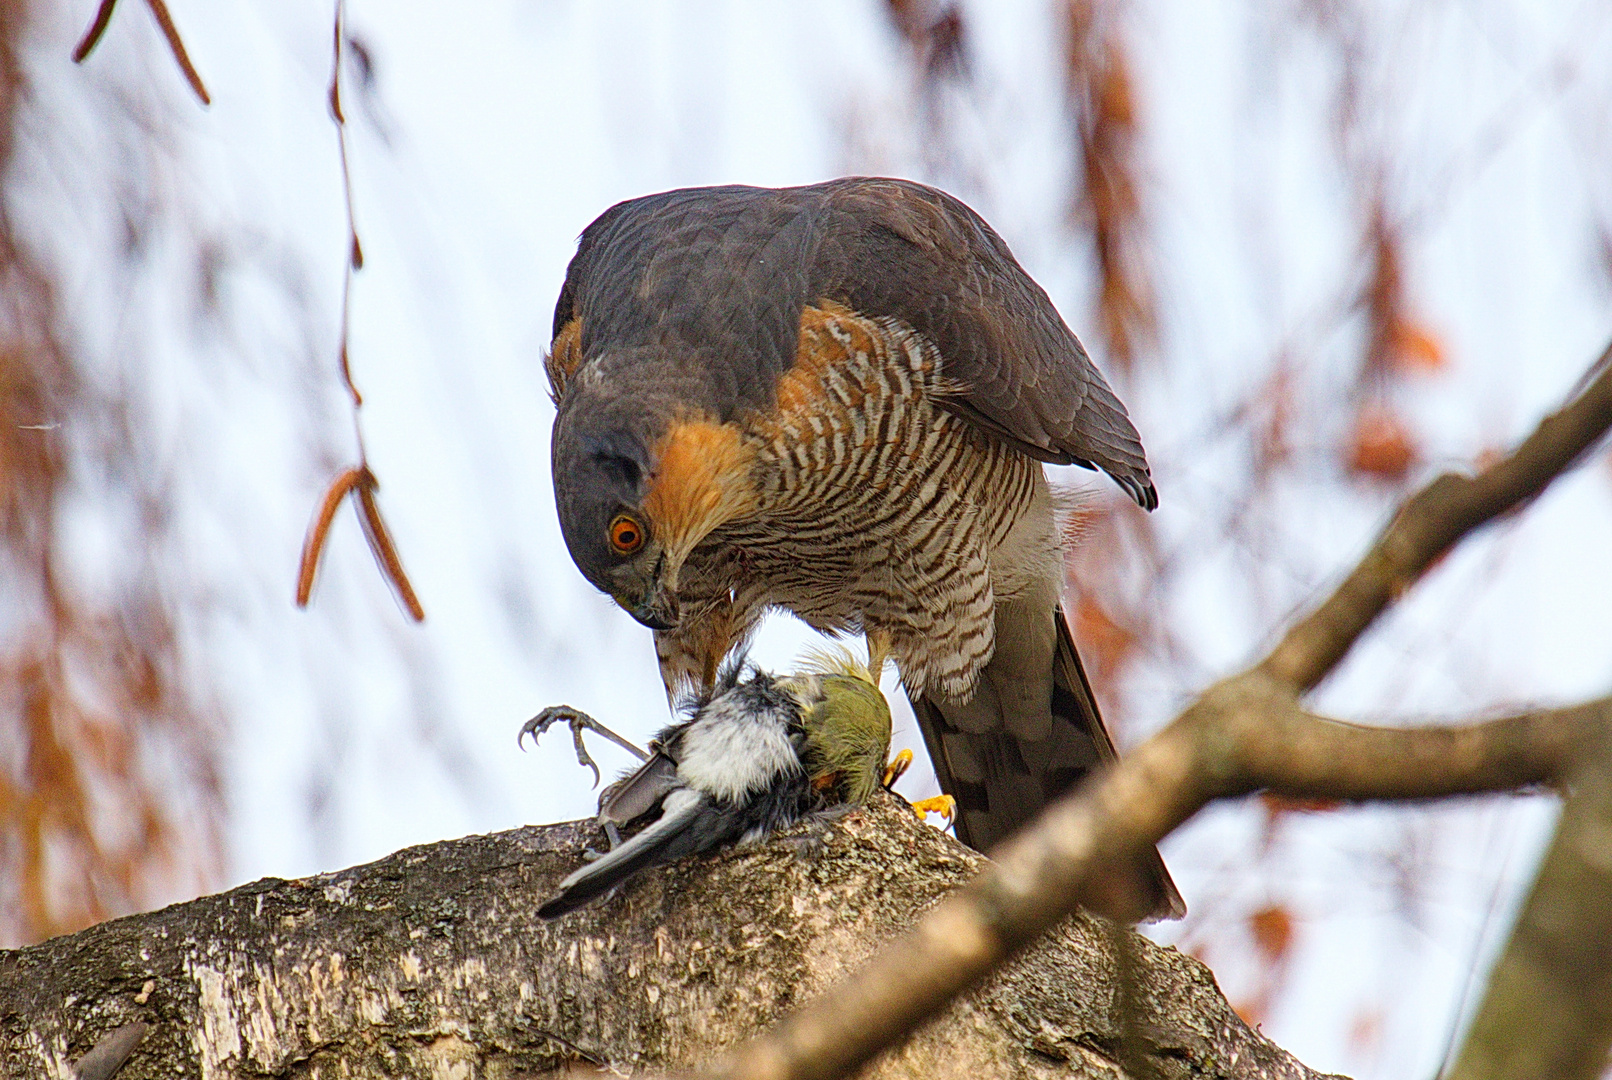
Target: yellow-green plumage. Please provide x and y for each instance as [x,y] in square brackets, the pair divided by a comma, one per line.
[847,723]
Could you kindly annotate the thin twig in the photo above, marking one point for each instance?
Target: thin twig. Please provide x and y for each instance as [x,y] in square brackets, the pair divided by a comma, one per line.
[92,36]
[355,250]
[177,47]
[1432,522]
[358,481]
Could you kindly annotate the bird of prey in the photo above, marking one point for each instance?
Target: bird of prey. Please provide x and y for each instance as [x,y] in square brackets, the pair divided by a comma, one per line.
[754,755]
[836,400]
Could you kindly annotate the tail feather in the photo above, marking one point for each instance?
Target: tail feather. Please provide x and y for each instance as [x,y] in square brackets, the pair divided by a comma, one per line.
[679,812]
[1001,780]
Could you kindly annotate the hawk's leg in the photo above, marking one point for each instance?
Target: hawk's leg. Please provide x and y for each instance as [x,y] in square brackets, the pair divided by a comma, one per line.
[578,721]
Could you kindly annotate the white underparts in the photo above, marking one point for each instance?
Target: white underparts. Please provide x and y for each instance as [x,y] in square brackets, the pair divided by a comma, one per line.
[731,754]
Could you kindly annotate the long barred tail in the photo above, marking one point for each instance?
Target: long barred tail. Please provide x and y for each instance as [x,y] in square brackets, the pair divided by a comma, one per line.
[1001,780]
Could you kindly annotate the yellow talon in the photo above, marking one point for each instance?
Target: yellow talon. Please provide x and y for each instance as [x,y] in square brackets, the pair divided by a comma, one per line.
[897,768]
[944,805]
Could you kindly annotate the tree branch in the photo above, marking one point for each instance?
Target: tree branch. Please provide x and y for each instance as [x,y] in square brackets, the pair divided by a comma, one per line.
[432,962]
[1548,1011]
[1433,521]
[1241,735]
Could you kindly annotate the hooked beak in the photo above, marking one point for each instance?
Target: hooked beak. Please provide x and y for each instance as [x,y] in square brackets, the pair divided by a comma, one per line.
[650,616]
[658,610]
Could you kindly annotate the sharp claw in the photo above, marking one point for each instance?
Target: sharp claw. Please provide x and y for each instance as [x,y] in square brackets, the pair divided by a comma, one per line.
[897,768]
[582,751]
[578,721]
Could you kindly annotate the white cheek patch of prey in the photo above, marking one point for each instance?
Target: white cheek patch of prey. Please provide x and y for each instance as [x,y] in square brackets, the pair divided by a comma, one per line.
[731,754]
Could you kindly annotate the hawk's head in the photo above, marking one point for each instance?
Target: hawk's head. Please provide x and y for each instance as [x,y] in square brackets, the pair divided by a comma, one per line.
[637,493]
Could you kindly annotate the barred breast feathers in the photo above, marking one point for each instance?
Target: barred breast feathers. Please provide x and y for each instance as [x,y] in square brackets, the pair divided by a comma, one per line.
[880,510]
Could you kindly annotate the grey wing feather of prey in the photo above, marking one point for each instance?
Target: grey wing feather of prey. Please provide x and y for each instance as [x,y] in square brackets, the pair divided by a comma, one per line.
[638,794]
[679,811]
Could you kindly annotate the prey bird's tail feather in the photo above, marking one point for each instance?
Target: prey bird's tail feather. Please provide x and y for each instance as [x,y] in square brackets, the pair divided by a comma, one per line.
[656,844]
[993,763]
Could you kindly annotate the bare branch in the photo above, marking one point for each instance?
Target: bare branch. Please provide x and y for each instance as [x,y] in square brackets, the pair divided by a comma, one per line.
[1242,735]
[1432,522]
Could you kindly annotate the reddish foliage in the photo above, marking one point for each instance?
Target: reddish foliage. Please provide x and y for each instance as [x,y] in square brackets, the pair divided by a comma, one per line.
[936,33]
[1272,930]
[1380,444]
[102,739]
[1398,342]
[1103,103]
[1105,644]
[1412,347]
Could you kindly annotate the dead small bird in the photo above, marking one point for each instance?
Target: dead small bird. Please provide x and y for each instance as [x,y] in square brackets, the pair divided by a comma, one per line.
[755,755]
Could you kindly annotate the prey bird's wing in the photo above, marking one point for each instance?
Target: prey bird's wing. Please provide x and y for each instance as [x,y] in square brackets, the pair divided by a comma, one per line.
[713,282]
[640,791]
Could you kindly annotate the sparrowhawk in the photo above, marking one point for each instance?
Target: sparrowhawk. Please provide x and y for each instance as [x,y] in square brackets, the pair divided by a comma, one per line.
[836,400]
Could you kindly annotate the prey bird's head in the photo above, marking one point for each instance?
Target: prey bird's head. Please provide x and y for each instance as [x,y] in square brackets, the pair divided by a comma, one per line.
[637,489]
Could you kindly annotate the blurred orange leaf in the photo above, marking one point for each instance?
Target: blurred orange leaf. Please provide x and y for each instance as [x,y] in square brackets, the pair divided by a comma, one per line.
[1109,643]
[1272,929]
[1412,347]
[1380,444]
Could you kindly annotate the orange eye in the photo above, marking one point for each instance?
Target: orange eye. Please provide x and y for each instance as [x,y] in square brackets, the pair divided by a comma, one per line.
[626,535]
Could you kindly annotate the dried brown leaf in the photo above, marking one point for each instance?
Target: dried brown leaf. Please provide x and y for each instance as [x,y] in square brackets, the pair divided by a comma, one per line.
[313,545]
[177,46]
[92,36]
[385,551]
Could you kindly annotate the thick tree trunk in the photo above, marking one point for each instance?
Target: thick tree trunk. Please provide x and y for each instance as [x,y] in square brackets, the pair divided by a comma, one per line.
[431,963]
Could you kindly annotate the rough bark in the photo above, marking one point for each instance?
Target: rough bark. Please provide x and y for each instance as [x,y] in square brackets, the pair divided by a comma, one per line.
[431,963]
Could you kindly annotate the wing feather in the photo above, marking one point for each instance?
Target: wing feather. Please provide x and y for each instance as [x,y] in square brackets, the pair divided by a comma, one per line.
[709,284]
